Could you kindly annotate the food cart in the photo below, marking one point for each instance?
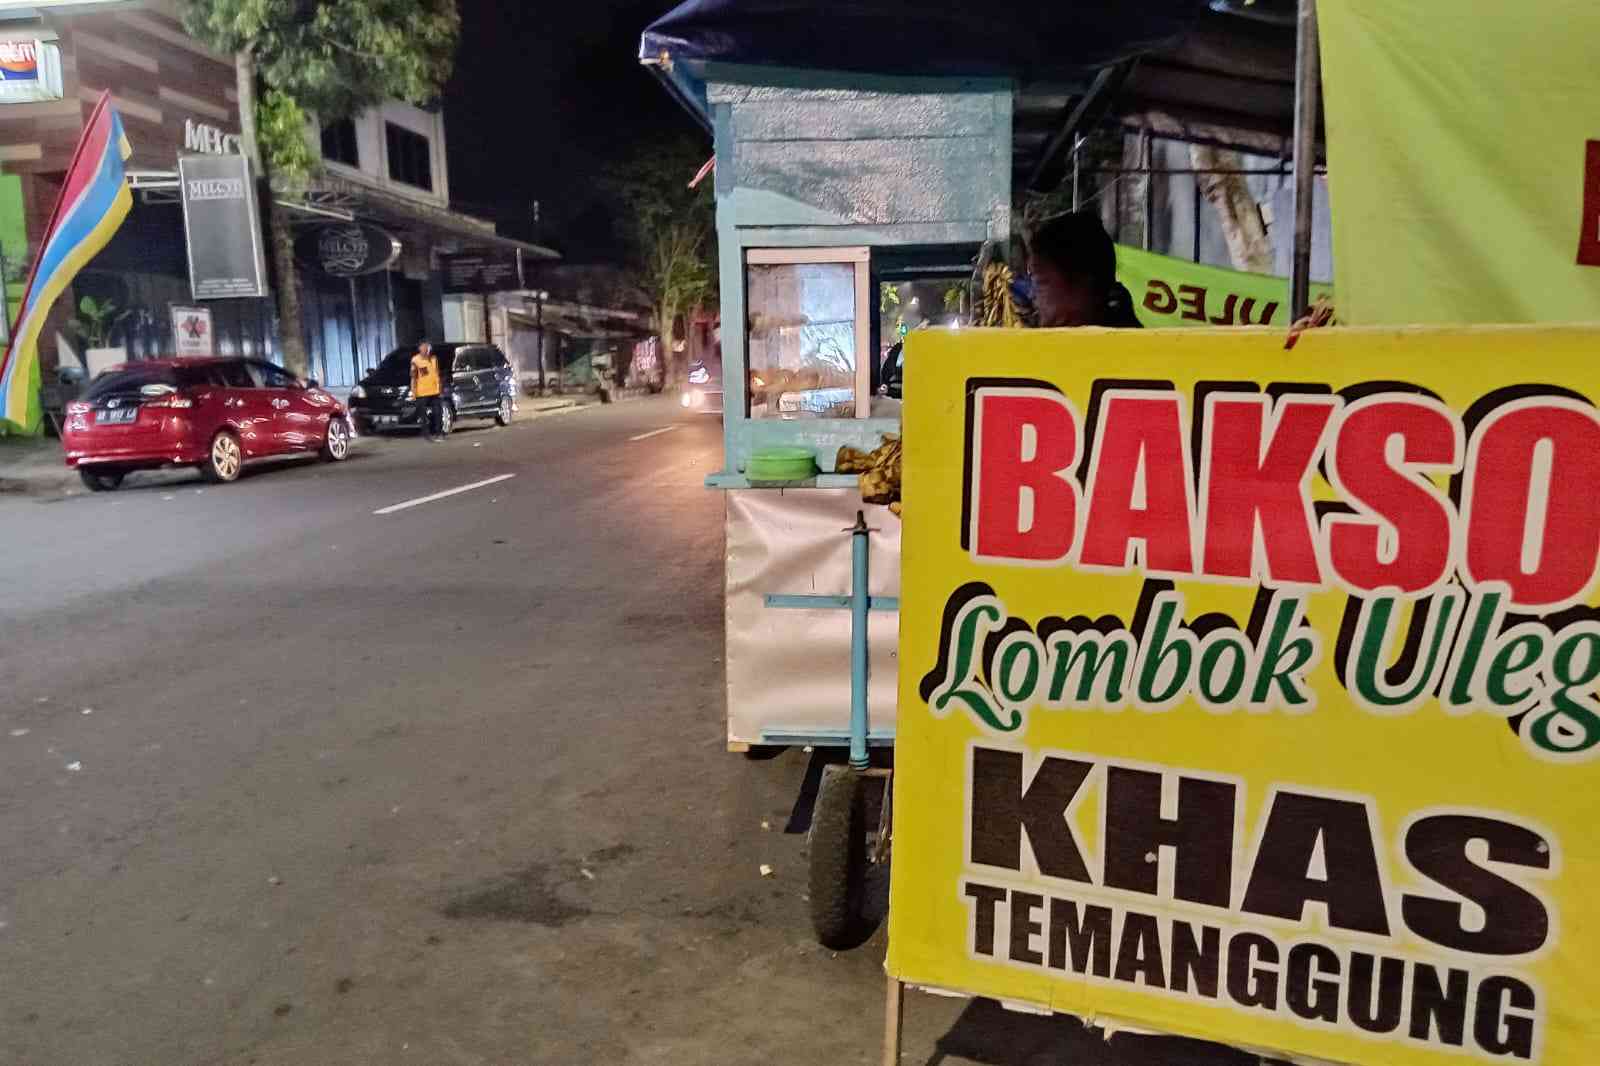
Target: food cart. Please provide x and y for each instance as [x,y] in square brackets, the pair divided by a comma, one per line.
[1365,752]
[875,153]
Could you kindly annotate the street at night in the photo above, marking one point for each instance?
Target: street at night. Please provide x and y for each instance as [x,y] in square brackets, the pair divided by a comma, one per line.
[285,781]
[772,533]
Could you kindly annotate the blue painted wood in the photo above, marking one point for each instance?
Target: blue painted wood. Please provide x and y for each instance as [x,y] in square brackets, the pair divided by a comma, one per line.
[726,480]
[810,160]
[822,738]
[835,603]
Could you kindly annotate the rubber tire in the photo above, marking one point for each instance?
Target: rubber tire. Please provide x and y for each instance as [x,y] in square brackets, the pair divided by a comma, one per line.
[502,414]
[208,469]
[101,480]
[327,452]
[838,860]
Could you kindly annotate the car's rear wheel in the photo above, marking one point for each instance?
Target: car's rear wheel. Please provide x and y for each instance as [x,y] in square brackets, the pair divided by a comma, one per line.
[101,480]
[224,460]
[337,444]
[502,414]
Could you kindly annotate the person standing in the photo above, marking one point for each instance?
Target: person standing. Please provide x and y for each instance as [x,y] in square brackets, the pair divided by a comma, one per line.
[425,387]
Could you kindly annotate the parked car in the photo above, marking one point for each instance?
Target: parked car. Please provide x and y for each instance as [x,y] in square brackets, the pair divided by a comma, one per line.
[214,414]
[477,378]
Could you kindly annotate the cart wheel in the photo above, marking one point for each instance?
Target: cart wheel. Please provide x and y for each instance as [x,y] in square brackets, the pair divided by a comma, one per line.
[839,860]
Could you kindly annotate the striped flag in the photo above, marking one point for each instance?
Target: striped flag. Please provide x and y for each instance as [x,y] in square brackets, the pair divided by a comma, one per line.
[94,200]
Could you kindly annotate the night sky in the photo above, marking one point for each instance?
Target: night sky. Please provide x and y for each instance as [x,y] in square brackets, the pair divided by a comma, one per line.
[546,93]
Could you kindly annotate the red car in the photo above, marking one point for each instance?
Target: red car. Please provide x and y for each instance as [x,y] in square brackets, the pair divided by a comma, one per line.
[214,414]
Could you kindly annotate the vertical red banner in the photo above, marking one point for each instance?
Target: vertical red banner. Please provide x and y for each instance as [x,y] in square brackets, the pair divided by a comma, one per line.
[1589,235]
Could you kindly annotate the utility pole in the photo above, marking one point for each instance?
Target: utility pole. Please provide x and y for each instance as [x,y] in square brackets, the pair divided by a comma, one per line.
[538,305]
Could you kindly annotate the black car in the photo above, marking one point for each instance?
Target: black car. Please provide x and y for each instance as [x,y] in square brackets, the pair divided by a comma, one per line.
[478,383]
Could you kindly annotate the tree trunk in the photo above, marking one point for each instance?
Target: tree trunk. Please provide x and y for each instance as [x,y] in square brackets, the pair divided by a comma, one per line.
[244,71]
[291,331]
[1242,228]
[674,372]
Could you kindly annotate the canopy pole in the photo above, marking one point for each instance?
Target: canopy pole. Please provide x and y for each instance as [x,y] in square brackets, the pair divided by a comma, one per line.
[1308,99]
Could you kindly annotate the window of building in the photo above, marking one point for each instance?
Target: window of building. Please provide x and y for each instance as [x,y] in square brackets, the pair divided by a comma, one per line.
[339,143]
[410,160]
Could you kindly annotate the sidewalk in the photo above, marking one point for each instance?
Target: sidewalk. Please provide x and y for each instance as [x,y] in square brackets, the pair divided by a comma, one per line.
[34,465]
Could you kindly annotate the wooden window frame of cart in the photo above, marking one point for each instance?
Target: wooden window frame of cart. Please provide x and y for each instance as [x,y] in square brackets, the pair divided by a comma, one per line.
[859,257]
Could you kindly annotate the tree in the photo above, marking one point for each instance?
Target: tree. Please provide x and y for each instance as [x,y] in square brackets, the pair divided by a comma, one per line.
[1242,228]
[670,232]
[332,60]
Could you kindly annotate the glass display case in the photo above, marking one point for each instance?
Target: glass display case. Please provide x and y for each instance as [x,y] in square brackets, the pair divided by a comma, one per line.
[808,333]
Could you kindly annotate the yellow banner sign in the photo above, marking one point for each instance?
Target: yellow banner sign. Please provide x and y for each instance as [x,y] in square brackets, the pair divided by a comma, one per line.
[1252,696]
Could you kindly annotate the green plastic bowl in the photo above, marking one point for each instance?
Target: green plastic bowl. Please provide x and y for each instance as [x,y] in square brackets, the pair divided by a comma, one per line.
[782,464]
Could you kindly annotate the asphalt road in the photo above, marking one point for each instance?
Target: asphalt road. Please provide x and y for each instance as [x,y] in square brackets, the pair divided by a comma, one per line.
[286,781]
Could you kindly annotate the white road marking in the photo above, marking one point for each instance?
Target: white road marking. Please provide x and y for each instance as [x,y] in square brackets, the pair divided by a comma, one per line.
[420,500]
[652,433]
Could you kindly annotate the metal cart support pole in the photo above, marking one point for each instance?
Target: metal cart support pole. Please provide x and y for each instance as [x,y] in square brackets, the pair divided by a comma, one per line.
[1307,100]
[858,643]
[858,603]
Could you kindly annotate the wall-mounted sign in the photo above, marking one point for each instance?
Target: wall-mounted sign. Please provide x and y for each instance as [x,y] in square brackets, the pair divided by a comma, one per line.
[222,227]
[29,71]
[348,249]
[191,331]
[207,139]
[482,271]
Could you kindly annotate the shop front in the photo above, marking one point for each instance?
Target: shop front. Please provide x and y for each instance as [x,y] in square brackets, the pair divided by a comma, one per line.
[175,97]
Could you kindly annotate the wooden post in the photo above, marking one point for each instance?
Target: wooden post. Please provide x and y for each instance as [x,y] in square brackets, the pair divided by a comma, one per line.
[893,1020]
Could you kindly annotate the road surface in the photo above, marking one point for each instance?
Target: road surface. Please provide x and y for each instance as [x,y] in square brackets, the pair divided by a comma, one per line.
[318,769]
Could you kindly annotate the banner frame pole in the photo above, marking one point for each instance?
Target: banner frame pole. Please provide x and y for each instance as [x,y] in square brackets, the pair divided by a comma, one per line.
[1308,100]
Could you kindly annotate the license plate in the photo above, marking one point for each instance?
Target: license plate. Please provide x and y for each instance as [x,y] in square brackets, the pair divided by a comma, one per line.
[114,415]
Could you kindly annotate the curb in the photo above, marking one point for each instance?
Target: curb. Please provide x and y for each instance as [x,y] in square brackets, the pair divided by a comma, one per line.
[550,409]
[36,470]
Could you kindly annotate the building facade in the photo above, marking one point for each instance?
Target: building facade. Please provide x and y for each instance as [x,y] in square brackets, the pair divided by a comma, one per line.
[384,172]
[175,96]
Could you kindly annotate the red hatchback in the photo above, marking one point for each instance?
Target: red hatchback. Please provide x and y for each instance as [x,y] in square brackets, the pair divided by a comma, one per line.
[214,414]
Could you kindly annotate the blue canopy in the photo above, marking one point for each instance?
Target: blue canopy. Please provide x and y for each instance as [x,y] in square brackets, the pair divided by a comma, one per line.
[1030,40]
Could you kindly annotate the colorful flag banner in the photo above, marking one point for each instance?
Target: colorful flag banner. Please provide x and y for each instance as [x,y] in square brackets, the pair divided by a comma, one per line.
[94,200]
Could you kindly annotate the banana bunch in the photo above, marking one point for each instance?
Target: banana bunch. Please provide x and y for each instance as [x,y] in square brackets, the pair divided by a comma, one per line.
[996,306]
[879,470]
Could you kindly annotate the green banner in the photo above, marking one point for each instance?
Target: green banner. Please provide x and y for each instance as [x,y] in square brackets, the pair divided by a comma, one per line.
[13,247]
[1175,292]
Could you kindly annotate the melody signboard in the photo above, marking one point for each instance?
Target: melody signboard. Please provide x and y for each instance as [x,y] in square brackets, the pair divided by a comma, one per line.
[348,250]
[222,227]
[1261,697]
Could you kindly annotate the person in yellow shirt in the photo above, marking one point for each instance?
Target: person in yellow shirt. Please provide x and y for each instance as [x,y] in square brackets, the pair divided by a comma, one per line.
[425,387]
